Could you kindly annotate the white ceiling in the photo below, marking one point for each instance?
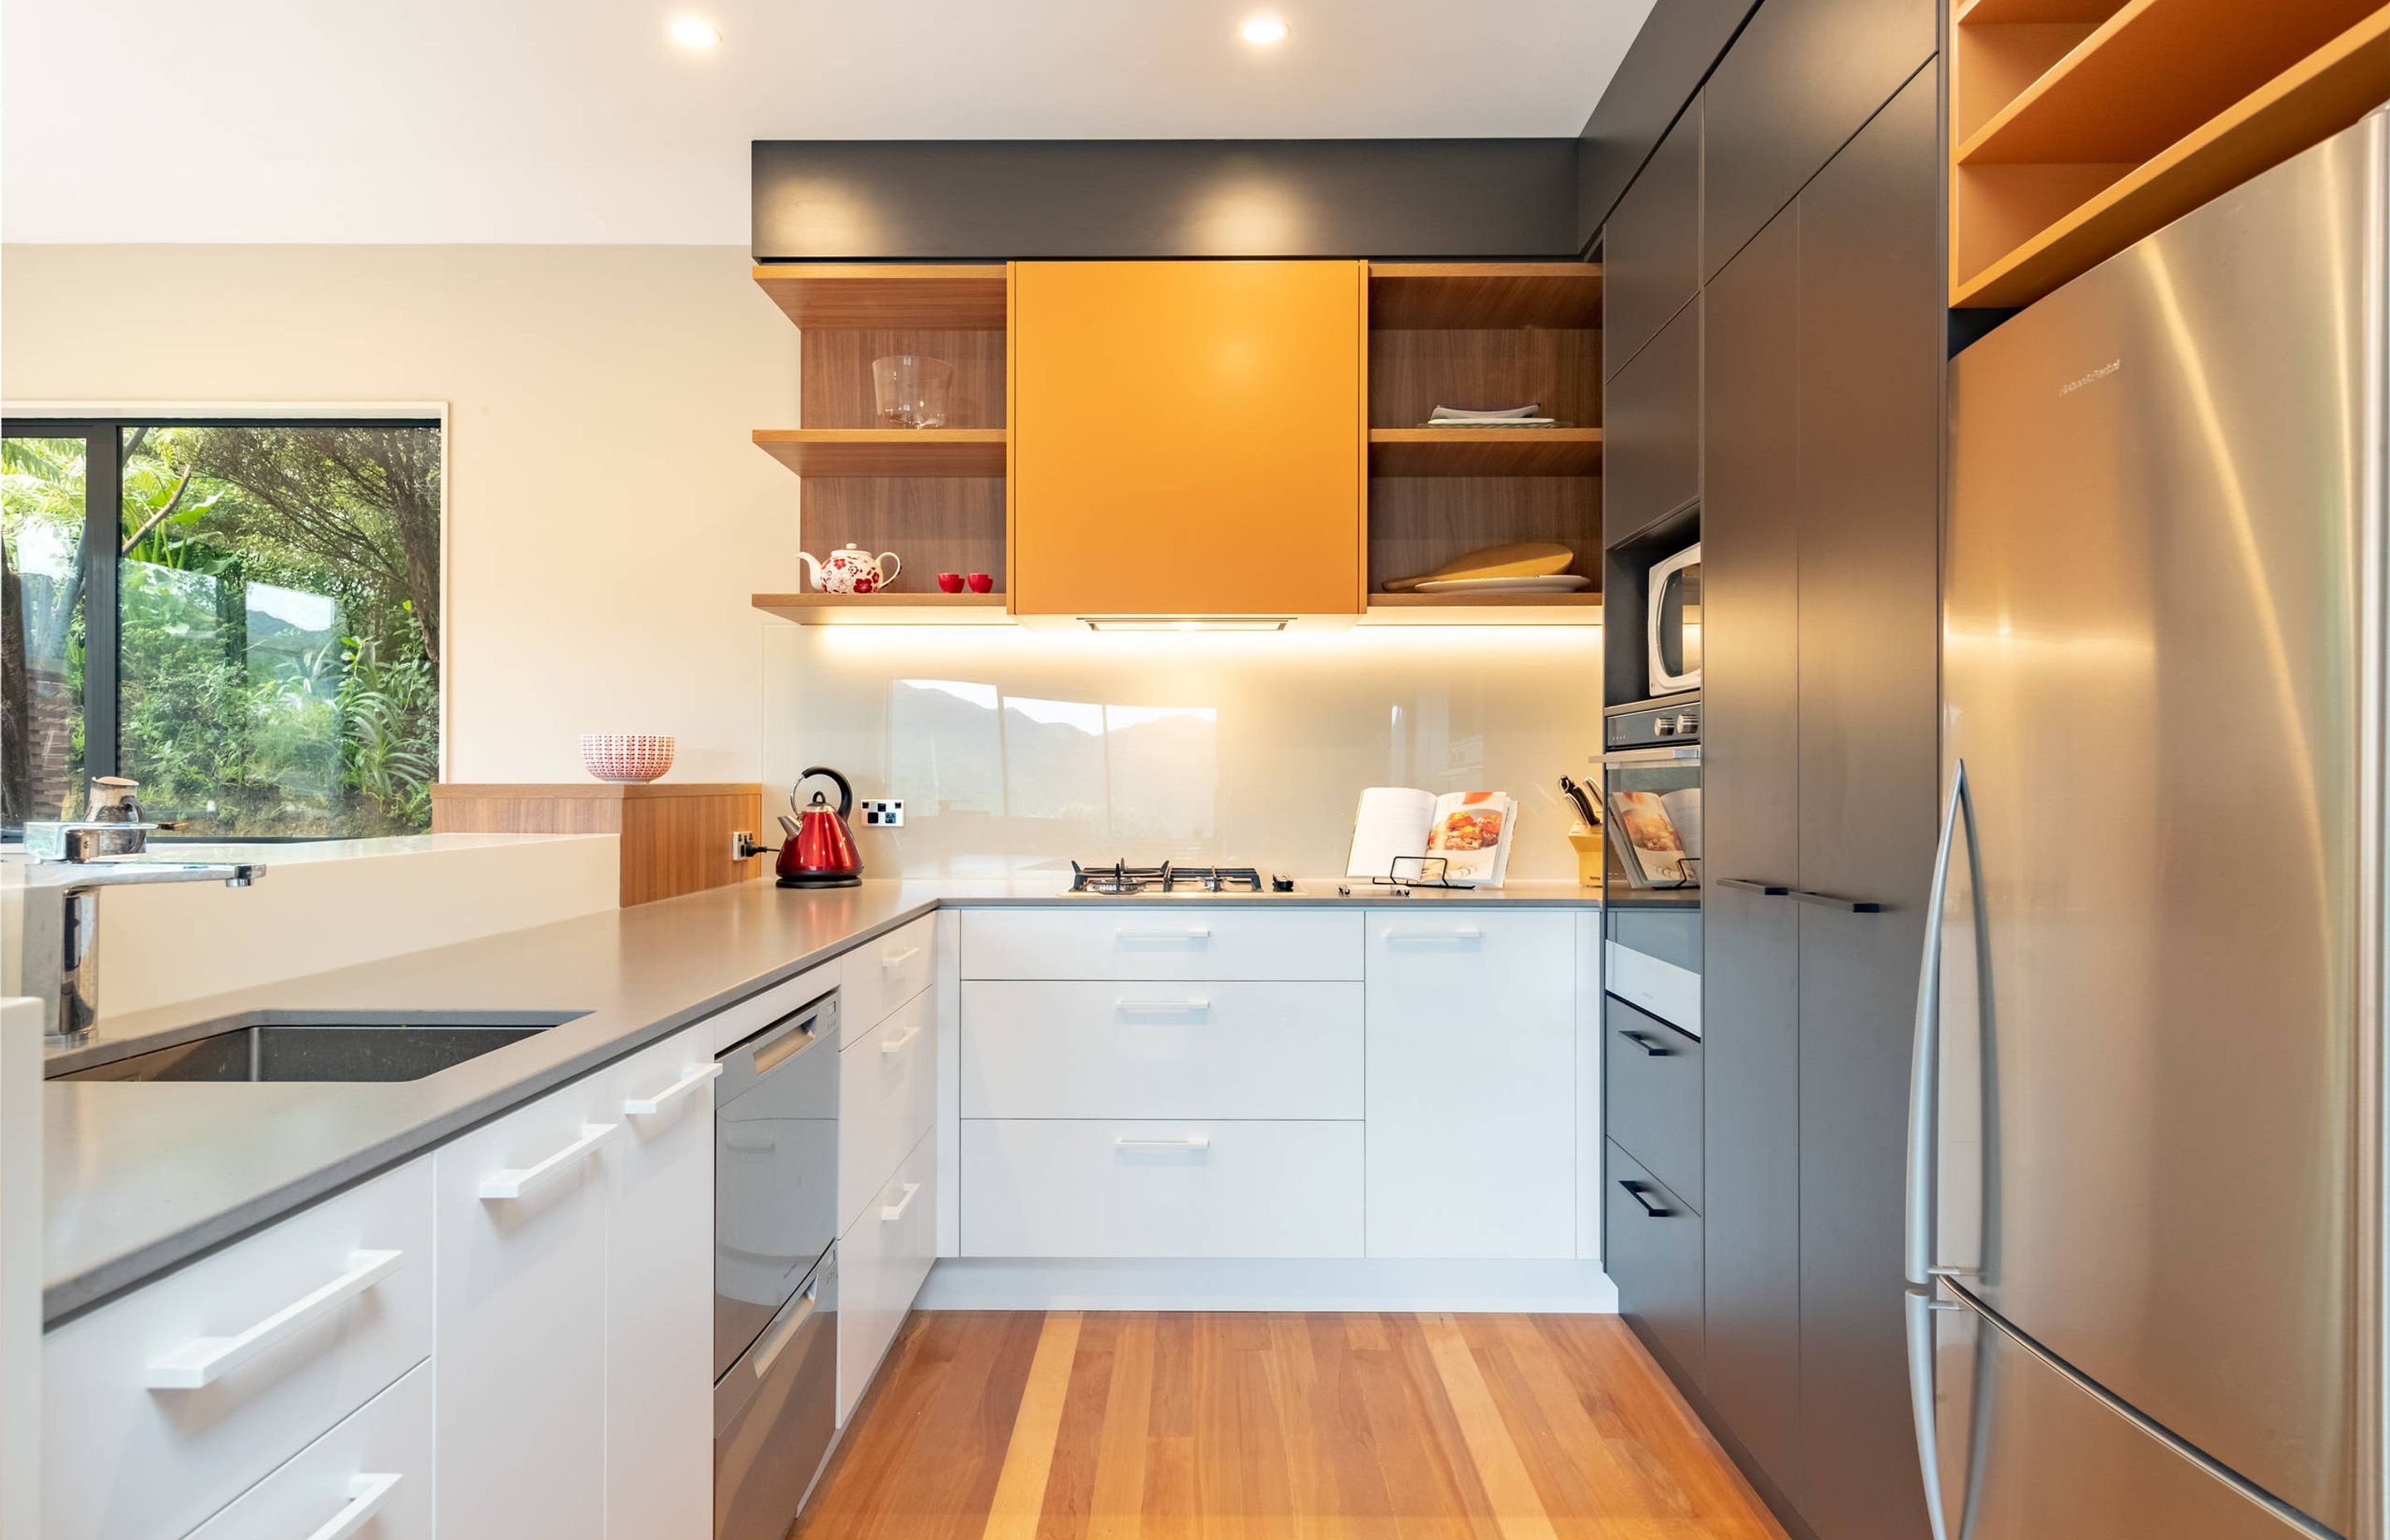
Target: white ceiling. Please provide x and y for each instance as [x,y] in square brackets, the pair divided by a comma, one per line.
[568,120]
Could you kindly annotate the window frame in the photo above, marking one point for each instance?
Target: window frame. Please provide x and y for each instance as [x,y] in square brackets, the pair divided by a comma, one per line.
[101,427]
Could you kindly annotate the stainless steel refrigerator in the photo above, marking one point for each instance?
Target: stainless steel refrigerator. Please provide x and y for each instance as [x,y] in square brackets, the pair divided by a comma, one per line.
[2145,1245]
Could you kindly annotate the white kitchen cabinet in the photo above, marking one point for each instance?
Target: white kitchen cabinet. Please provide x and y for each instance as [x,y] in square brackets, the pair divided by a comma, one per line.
[882,1260]
[658,1342]
[369,1478]
[163,1405]
[1470,1098]
[520,1206]
[883,974]
[1161,940]
[887,1100]
[1045,1187]
[1136,1049]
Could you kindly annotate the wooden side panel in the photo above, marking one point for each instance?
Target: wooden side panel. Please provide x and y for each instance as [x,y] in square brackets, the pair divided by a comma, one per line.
[1186,437]
[675,838]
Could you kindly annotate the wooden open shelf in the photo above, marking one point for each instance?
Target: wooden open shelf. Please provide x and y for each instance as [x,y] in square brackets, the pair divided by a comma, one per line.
[886,451]
[1484,451]
[887,297]
[2080,126]
[1579,609]
[1484,296]
[937,609]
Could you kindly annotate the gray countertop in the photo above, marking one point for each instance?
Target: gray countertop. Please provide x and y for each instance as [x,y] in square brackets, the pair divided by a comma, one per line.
[141,1177]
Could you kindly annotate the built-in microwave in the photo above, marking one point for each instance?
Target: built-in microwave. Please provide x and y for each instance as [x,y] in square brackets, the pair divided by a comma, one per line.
[1674,630]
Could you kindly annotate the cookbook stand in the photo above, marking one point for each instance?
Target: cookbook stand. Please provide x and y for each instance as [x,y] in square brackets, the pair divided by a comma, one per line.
[1432,869]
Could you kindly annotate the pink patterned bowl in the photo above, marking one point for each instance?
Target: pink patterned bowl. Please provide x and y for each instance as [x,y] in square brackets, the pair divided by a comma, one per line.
[625,757]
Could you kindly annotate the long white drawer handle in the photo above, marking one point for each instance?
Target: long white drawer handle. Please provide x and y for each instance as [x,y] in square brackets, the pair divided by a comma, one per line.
[1161,1008]
[523,1181]
[1458,933]
[367,1494]
[901,959]
[1194,1141]
[896,1044]
[648,1107]
[1193,933]
[895,1212]
[203,1359]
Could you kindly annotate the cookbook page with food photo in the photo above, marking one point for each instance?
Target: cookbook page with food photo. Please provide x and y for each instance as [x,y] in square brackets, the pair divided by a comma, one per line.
[1462,837]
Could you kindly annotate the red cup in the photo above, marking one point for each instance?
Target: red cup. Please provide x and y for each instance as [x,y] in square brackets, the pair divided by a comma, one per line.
[950,583]
[981,583]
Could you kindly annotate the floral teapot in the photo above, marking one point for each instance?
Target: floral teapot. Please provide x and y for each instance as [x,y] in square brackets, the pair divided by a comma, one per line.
[852,569]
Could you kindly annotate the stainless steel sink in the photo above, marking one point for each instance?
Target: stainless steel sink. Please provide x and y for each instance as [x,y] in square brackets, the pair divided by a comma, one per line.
[315,1051]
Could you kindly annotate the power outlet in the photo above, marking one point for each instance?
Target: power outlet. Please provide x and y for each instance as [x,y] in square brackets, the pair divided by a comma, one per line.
[883,811]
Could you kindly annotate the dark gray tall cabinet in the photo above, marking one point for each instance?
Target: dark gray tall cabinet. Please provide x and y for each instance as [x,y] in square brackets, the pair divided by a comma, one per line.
[1820,410]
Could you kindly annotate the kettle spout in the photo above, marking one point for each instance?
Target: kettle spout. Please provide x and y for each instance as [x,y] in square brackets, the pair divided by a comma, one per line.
[813,569]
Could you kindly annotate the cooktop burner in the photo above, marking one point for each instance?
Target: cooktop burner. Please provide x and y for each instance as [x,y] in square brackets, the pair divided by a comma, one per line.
[1120,878]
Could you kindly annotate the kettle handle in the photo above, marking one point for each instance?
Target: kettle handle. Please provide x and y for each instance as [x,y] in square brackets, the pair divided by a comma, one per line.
[845,792]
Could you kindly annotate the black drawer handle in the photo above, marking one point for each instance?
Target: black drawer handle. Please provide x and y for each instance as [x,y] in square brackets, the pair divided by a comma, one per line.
[1640,1193]
[1770,890]
[1855,906]
[1644,1042]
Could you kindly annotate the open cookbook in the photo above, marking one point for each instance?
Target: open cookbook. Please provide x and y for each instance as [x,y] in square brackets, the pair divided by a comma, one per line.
[1462,837]
[1661,833]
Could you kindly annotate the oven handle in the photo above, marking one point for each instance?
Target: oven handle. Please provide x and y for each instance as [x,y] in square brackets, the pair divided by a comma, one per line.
[1688,754]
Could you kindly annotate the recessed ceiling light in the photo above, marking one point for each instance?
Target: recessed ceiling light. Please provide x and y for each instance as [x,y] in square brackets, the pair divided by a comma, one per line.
[1264,30]
[692,33]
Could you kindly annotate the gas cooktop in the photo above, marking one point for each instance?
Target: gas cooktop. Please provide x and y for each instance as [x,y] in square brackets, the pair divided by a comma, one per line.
[1121,879]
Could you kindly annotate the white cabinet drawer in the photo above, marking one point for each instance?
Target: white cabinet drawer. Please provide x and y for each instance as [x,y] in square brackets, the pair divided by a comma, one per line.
[881,975]
[1161,940]
[881,1264]
[1217,1049]
[164,1405]
[1114,1188]
[887,1098]
[369,1478]
[1471,1093]
[659,1346]
[521,1208]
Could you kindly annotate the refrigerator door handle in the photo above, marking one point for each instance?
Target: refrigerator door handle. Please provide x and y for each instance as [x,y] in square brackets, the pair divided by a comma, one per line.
[1924,1084]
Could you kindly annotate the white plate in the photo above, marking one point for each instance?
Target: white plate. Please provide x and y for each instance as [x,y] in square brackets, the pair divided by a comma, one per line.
[1559,582]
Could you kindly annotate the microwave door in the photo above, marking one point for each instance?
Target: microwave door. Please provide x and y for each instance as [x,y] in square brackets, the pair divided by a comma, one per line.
[1674,635]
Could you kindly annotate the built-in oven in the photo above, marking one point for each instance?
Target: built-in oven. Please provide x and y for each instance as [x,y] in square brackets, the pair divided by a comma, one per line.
[775,1268]
[1652,891]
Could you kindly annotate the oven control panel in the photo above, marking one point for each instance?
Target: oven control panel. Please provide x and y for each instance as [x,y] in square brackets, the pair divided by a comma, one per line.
[1676,721]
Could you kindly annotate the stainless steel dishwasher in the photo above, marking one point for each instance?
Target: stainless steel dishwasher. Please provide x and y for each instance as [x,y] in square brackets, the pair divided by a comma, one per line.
[775,1270]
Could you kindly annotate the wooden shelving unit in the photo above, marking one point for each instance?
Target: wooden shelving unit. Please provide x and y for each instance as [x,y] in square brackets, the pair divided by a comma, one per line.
[888,608]
[1579,609]
[2080,126]
[887,297]
[1484,451]
[886,451]
[1482,334]
[1484,296]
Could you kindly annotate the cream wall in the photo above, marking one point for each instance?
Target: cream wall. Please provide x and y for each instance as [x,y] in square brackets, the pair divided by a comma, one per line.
[1017,751]
[605,507]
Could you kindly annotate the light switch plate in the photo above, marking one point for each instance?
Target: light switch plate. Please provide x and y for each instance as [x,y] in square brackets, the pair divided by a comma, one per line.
[883,811]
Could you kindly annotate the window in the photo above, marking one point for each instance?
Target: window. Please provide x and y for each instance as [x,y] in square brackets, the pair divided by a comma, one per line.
[241,614]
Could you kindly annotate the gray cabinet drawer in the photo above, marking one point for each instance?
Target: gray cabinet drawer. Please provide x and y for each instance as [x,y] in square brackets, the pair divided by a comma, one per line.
[1651,248]
[1654,1256]
[1652,430]
[1654,1077]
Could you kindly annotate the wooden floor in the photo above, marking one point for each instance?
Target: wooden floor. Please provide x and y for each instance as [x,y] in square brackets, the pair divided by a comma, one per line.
[1026,1426]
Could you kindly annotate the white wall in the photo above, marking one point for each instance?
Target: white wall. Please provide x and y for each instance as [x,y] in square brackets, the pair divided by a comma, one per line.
[605,505]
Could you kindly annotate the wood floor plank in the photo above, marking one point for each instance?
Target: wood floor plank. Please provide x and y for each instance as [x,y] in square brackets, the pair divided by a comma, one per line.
[1121,1426]
[1019,1492]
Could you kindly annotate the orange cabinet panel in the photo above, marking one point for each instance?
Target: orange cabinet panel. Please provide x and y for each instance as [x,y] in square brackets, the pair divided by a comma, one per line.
[1188,438]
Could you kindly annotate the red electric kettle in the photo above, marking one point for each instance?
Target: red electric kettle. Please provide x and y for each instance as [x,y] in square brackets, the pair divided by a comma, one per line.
[820,851]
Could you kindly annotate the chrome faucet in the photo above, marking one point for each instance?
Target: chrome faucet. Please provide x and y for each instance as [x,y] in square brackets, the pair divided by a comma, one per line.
[59,938]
